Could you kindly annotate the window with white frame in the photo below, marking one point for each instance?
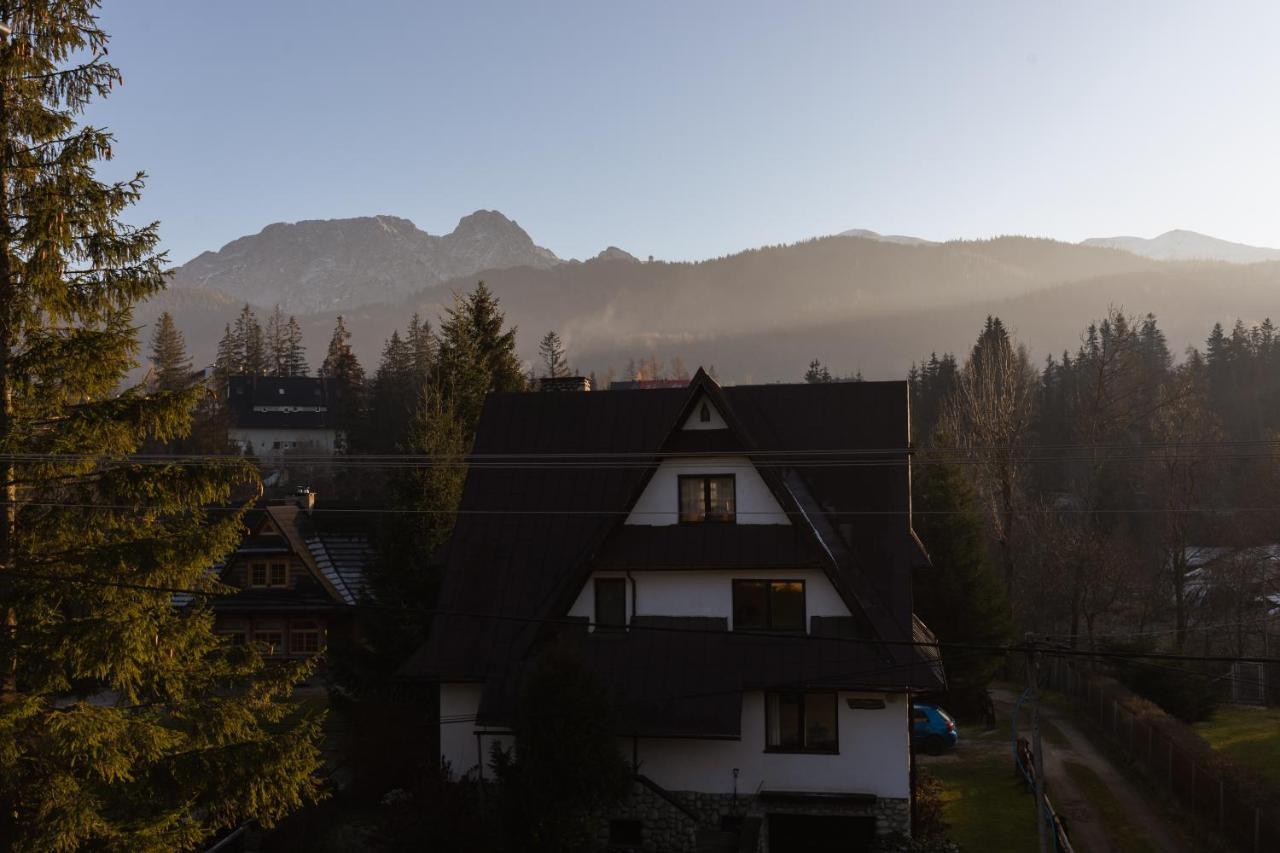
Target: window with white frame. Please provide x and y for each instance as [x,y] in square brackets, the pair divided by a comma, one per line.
[305,637]
[234,631]
[269,637]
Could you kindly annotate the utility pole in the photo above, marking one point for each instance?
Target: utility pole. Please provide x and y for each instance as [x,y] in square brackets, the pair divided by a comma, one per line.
[1037,756]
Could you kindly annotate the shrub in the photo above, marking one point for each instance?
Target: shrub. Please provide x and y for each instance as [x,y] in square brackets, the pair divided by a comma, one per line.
[1176,687]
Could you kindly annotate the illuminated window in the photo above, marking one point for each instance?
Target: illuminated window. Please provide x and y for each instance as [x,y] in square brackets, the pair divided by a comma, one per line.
[763,605]
[707,499]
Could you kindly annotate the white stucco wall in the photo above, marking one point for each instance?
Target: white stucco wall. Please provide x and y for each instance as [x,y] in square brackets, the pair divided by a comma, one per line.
[659,504]
[873,757]
[707,593]
[694,421]
[261,441]
[458,742]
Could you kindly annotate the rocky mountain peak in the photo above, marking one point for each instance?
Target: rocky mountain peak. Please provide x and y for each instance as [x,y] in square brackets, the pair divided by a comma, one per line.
[487,223]
[333,264]
[613,253]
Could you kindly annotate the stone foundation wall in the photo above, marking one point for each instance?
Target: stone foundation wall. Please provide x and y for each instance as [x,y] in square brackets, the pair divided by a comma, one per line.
[666,827]
[670,828]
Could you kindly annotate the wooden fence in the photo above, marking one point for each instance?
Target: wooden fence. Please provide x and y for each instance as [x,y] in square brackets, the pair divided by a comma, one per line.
[1232,806]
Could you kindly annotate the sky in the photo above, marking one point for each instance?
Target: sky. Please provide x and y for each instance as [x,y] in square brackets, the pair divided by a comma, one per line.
[693,129]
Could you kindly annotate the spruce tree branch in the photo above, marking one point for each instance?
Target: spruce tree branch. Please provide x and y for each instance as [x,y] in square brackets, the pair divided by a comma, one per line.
[95,62]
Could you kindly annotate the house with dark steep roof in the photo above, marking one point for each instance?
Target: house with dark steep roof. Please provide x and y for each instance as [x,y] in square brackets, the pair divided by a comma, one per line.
[275,415]
[733,565]
[300,572]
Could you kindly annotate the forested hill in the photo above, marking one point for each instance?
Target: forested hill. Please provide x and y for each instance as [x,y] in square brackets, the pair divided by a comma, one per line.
[760,315]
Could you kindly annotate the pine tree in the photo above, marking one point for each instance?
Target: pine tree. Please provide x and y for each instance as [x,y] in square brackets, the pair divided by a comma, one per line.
[395,392]
[250,343]
[169,355]
[184,735]
[551,351]
[230,358]
[476,354]
[347,384]
[275,343]
[960,596]
[422,348]
[294,362]
[817,373]
[566,763]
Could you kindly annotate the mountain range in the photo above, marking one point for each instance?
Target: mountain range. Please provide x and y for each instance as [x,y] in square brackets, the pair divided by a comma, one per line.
[323,265]
[857,300]
[1179,245]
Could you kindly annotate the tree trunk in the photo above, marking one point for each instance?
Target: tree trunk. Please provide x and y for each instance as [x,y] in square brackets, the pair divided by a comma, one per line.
[9,489]
[1179,606]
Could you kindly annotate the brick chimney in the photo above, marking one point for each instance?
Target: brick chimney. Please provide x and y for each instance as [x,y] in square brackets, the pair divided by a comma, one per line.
[305,498]
[564,383]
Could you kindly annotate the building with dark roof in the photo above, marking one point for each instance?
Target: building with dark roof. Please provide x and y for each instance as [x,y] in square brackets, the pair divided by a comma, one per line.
[733,565]
[273,415]
[300,571]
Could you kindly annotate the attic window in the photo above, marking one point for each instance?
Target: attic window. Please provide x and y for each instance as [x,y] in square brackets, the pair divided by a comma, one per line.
[262,575]
[704,414]
[707,499]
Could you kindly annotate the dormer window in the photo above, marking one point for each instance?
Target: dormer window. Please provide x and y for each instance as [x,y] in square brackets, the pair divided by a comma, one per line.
[704,414]
[268,575]
[707,498]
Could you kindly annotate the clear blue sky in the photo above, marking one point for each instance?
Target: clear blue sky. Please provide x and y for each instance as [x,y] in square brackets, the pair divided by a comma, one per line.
[691,129]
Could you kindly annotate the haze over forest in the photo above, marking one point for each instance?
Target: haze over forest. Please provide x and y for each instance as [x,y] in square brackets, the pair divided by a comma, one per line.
[858,301]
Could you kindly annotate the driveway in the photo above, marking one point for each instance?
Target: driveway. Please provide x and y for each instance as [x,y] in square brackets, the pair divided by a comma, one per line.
[1087,828]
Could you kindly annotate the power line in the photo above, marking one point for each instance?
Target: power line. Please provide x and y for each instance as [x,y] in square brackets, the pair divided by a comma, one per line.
[642,455]
[388,510]
[1033,453]
[13,575]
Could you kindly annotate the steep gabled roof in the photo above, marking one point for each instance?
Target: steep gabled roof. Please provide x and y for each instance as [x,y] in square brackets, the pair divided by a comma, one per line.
[532,529]
[292,402]
[334,543]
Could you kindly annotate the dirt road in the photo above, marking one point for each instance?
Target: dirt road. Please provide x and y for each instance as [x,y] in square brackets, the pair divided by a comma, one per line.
[1087,828]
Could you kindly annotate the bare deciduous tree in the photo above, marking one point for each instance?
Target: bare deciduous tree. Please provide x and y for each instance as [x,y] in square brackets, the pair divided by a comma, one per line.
[1179,472]
[988,417]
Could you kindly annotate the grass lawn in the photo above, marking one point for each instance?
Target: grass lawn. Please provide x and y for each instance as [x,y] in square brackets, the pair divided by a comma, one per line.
[985,806]
[1250,736]
[1125,837]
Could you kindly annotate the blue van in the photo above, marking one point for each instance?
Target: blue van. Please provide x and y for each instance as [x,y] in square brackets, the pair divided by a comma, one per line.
[932,729]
